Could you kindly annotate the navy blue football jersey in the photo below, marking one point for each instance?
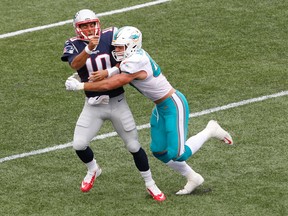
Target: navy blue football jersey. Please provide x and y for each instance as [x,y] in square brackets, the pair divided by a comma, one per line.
[100,59]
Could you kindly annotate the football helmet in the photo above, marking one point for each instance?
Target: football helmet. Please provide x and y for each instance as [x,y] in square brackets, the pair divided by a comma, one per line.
[83,17]
[129,37]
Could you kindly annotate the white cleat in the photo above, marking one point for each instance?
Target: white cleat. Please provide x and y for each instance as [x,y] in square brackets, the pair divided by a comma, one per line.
[191,185]
[219,133]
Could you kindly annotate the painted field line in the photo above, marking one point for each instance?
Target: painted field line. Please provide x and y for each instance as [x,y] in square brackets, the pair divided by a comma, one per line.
[148,4]
[140,127]
[237,104]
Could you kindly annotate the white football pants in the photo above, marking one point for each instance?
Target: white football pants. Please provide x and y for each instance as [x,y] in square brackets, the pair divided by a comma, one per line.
[93,116]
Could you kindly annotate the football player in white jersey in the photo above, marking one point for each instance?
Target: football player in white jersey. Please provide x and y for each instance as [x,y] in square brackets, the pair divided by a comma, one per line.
[90,51]
[169,119]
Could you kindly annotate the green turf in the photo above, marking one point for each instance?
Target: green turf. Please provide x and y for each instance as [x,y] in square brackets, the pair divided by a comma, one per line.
[215,52]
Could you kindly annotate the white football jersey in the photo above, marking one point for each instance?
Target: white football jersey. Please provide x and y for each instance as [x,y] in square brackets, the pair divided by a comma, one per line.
[155,86]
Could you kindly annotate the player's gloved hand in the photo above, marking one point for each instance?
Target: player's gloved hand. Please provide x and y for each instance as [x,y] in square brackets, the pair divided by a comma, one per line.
[73,84]
[102,99]
[76,76]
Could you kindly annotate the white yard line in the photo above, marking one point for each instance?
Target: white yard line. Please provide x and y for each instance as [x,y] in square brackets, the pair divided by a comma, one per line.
[11,34]
[192,115]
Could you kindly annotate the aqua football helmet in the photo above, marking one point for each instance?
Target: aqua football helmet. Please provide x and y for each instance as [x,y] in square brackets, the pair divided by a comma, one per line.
[129,37]
[86,16]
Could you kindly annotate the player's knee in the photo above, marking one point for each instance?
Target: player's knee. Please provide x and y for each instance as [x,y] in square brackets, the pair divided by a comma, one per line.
[133,146]
[80,144]
[162,156]
[165,156]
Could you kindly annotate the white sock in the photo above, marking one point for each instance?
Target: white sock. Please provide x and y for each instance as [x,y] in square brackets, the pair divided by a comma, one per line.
[92,166]
[195,142]
[147,176]
[183,168]
[179,166]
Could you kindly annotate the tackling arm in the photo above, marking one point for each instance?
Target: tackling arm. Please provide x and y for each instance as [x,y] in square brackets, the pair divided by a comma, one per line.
[116,81]
[113,82]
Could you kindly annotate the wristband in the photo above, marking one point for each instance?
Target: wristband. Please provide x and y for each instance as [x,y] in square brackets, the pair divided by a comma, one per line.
[80,86]
[112,71]
[87,50]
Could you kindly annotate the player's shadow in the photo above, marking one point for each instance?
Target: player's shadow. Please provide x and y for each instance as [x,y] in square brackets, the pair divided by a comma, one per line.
[201,191]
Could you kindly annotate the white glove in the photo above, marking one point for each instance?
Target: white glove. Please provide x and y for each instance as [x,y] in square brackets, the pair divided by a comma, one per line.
[73,84]
[76,76]
[102,99]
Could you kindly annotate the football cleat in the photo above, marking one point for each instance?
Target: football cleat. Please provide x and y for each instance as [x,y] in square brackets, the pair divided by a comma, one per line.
[89,179]
[156,194]
[191,185]
[217,132]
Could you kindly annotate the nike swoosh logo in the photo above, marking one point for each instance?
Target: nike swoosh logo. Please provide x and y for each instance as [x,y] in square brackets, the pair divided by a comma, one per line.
[229,141]
[120,99]
[83,185]
[95,51]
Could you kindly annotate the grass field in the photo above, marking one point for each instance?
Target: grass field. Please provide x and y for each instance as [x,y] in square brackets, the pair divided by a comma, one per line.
[215,52]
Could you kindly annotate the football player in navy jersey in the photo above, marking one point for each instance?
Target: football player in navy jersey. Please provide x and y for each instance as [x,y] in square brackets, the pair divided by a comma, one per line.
[88,52]
[169,118]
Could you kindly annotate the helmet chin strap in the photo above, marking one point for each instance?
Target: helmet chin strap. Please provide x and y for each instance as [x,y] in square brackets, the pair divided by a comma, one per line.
[81,34]
[84,36]
[118,56]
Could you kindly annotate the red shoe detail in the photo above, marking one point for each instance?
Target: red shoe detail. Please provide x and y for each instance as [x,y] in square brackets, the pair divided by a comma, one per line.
[228,141]
[86,186]
[159,197]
